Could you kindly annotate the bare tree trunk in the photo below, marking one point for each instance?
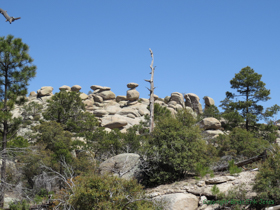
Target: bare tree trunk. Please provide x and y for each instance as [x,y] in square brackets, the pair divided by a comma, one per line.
[8,18]
[152,101]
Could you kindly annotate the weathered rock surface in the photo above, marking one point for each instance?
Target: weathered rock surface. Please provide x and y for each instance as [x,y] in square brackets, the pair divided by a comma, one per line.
[132,85]
[76,88]
[210,134]
[45,91]
[178,98]
[107,95]
[132,95]
[121,98]
[83,96]
[113,122]
[125,165]
[65,87]
[195,104]
[95,87]
[210,123]
[179,201]
[100,113]
[208,101]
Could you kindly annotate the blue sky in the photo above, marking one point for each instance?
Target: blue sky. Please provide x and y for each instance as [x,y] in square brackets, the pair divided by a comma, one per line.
[198,45]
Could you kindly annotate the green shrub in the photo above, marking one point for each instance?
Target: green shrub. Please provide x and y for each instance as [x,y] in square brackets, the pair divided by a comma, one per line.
[239,142]
[233,169]
[160,111]
[215,190]
[109,192]
[174,149]
[212,111]
[19,205]
[31,109]
[202,170]
[267,183]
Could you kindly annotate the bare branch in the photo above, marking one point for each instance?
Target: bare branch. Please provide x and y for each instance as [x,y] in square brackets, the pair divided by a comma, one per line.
[8,18]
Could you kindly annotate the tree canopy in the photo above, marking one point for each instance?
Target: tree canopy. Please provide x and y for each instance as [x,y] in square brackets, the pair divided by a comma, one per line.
[251,90]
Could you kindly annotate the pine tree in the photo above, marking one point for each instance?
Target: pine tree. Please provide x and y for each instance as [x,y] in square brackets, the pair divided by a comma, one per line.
[252,90]
[16,70]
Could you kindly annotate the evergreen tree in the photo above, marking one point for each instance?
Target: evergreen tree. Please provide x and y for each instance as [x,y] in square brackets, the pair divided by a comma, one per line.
[64,107]
[252,90]
[16,70]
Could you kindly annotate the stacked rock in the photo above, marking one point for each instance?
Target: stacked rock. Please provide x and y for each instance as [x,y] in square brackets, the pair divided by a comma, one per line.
[176,101]
[192,100]
[102,93]
[132,95]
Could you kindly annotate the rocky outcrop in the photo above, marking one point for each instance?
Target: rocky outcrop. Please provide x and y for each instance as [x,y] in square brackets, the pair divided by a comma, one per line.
[192,100]
[83,96]
[121,98]
[45,91]
[210,123]
[106,94]
[126,165]
[176,98]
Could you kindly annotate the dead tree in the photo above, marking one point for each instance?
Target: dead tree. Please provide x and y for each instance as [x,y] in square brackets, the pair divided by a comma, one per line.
[8,18]
[152,101]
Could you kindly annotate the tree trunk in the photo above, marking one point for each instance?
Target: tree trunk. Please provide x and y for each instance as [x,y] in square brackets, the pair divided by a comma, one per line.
[152,101]
[247,109]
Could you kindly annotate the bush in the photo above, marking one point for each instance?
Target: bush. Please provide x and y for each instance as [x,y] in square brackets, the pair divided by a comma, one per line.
[267,183]
[212,111]
[19,205]
[63,107]
[31,109]
[109,192]
[239,143]
[233,169]
[174,149]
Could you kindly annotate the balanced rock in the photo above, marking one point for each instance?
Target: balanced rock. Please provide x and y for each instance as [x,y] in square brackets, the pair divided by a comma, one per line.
[65,87]
[208,101]
[132,85]
[45,91]
[104,88]
[95,87]
[132,95]
[76,88]
[210,123]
